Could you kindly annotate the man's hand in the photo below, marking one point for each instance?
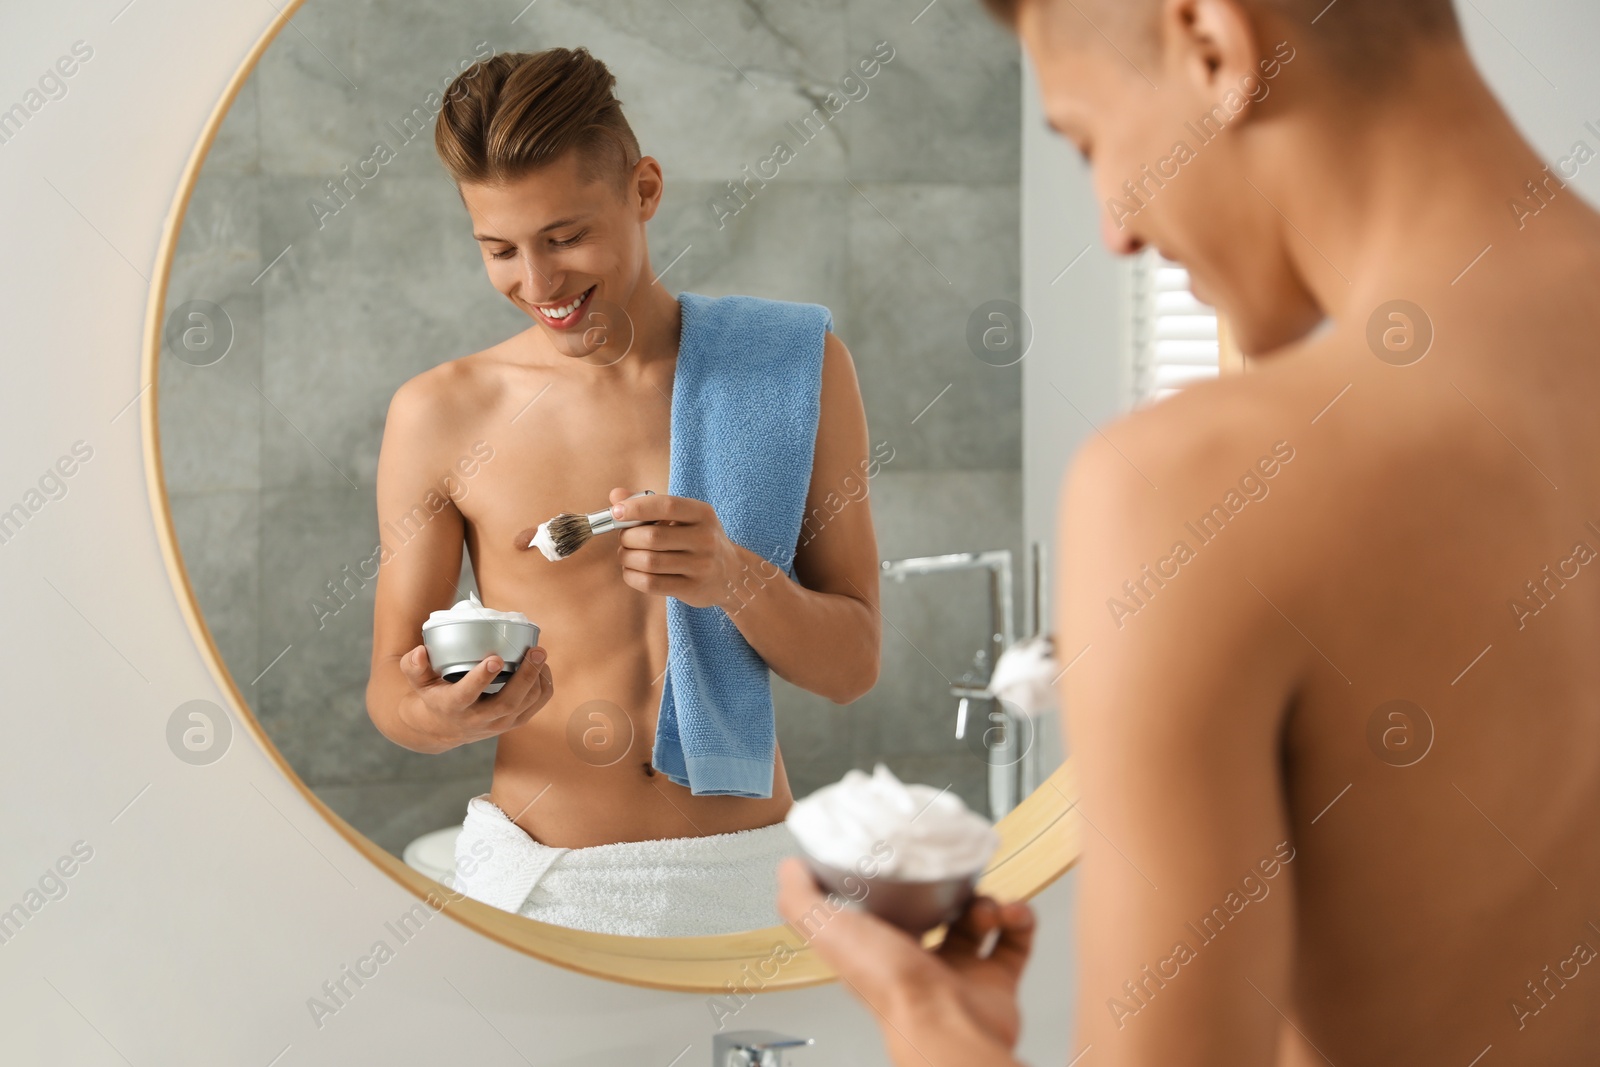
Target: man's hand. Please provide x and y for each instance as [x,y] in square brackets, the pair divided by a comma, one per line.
[684,553]
[458,713]
[949,1006]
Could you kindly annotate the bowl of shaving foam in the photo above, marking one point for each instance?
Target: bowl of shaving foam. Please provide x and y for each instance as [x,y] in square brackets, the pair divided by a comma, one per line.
[909,854]
[458,639]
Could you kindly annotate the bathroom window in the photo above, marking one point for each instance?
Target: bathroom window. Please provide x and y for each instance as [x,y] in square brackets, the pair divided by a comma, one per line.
[1174,335]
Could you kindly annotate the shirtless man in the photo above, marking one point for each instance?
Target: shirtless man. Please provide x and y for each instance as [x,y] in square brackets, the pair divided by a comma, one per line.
[571,419]
[1282,866]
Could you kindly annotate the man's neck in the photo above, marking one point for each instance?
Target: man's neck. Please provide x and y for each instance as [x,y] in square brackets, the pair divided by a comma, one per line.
[656,319]
[1407,188]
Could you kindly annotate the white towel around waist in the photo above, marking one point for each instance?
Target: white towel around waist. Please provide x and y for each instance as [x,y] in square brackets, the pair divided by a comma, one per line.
[670,887]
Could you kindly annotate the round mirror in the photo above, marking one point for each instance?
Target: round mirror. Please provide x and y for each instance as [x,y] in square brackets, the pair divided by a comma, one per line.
[358,425]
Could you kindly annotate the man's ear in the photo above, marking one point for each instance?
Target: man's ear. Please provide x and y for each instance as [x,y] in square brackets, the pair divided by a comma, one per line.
[1214,46]
[647,184]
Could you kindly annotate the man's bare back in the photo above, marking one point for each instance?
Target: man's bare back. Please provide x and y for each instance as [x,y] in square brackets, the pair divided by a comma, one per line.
[1431,755]
[1344,670]
[1431,506]
[1330,624]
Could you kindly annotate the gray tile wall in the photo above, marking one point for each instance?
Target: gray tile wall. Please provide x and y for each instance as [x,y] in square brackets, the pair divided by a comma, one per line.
[902,216]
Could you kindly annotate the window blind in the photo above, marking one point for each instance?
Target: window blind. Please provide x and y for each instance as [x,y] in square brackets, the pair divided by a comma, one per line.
[1174,335]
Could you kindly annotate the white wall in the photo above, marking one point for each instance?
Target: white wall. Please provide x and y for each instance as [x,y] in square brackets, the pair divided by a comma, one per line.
[1539,57]
[216,901]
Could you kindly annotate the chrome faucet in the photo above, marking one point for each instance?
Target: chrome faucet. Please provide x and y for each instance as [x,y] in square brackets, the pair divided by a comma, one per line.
[974,683]
[752,1048]
[1001,631]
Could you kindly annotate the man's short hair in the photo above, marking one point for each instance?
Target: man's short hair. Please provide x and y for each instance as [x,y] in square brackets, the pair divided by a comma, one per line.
[1366,40]
[519,111]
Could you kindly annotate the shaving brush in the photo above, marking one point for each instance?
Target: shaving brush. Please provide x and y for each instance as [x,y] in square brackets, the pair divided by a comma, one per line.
[563,535]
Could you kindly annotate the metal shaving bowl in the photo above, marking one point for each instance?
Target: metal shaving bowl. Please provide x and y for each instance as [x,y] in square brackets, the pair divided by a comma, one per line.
[454,648]
[914,906]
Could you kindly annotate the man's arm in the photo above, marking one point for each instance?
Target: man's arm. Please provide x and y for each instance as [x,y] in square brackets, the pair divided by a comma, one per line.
[821,633]
[824,633]
[1185,915]
[410,704]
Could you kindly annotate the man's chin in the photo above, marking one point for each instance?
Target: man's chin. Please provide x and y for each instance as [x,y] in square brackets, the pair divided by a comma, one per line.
[602,335]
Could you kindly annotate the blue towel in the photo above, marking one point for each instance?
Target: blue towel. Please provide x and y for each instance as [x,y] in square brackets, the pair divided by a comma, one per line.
[745,401]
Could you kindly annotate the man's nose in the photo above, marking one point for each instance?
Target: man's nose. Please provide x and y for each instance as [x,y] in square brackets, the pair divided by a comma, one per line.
[1120,241]
[539,285]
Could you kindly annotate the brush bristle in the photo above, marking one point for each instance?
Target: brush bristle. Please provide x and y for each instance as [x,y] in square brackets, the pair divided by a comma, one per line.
[569,533]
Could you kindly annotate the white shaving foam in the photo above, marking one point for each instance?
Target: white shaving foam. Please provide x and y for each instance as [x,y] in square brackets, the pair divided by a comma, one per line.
[930,833]
[473,608]
[545,543]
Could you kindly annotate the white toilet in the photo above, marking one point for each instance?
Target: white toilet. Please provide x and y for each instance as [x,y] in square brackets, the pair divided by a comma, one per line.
[434,854]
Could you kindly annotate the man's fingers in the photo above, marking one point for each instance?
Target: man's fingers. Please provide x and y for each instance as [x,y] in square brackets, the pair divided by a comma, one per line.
[659,538]
[974,932]
[981,915]
[415,666]
[525,678]
[645,562]
[658,507]
[1015,943]
[472,685]
[533,695]
[543,689]
[972,929]
[656,584]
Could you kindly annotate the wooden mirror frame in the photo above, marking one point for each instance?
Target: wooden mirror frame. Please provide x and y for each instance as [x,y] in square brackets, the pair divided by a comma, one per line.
[1039,839]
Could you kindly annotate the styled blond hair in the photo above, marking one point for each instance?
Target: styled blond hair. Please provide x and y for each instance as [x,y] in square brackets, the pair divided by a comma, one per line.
[516,112]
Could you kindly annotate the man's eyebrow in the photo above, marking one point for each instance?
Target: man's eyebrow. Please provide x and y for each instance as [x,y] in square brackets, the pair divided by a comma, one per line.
[556,225]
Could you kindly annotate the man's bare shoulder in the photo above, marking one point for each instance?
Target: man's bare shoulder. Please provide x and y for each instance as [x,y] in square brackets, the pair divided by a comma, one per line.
[1335,426]
[1163,458]
[1258,486]
[434,415]
[442,394]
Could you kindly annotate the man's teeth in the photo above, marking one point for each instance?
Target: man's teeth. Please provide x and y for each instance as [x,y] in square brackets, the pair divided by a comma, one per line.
[565,310]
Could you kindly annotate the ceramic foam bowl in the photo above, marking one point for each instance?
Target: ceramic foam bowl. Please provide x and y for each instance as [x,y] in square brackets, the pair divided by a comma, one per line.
[914,906]
[455,647]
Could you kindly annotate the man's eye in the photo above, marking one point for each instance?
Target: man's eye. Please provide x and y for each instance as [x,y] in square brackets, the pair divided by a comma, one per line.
[570,241]
[507,254]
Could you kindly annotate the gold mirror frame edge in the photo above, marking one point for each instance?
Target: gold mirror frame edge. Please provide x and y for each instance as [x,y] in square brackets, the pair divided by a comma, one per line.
[1040,839]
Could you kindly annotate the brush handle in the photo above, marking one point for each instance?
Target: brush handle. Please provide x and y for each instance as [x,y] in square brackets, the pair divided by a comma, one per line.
[602,521]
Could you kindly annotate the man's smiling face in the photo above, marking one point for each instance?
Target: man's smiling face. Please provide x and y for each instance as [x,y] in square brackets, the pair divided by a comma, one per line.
[559,239]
